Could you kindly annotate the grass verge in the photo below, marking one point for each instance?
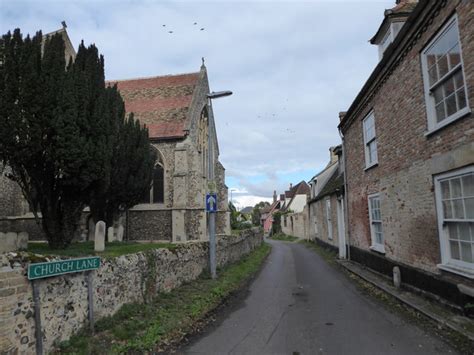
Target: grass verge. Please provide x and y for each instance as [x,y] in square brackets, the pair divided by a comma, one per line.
[393,305]
[165,321]
[112,249]
[283,237]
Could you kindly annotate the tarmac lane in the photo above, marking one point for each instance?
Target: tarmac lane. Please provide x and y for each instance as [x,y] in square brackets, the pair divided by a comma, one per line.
[299,304]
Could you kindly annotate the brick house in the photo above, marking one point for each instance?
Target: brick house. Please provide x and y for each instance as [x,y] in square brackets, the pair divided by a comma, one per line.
[266,214]
[326,204]
[180,119]
[409,151]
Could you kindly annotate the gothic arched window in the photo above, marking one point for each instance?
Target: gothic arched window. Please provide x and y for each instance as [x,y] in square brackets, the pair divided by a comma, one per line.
[157,190]
[203,132]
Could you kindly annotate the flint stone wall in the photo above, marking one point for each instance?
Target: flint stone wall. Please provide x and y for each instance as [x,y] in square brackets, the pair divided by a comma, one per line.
[119,280]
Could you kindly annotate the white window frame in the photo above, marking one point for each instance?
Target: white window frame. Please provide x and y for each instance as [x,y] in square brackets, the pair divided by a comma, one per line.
[429,96]
[452,265]
[386,40]
[375,245]
[368,141]
[329,217]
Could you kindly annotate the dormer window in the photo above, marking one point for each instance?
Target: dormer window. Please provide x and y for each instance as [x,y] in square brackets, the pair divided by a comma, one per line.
[393,21]
[389,36]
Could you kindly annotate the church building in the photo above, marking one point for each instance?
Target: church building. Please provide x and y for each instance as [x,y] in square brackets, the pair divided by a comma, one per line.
[178,113]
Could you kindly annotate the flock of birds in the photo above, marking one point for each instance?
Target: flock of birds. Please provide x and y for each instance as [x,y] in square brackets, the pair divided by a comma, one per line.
[194,24]
[273,115]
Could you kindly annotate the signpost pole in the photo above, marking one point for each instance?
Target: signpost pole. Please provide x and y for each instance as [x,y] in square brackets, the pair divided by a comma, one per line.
[212,243]
[210,178]
[90,300]
[38,332]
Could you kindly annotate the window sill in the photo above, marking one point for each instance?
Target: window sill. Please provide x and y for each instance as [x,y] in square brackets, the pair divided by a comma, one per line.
[378,248]
[469,273]
[373,165]
[457,116]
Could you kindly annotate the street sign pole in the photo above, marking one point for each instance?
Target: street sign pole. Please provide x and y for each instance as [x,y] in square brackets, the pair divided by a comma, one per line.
[212,243]
[211,184]
[38,331]
[210,178]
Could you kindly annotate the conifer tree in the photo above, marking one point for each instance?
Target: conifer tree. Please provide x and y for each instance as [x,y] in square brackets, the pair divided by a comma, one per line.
[131,166]
[58,129]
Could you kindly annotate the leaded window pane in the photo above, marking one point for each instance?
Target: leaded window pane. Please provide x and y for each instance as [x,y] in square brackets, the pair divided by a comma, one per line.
[464,232]
[433,75]
[158,184]
[455,188]
[461,96]
[458,79]
[466,252]
[438,94]
[454,56]
[454,246]
[453,231]
[440,112]
[458,209]
[451,105]
[447,210]
[443,66]
[469,205]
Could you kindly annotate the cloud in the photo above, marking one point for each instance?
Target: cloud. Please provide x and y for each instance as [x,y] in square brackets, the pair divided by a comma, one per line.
[292,66]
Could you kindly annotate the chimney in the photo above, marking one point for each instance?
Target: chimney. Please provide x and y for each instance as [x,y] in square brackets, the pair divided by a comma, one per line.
[332,155]
[342,114]
[291,185]
[274,196]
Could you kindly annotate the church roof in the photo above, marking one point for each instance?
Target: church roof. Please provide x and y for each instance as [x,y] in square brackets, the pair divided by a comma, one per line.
[161,102]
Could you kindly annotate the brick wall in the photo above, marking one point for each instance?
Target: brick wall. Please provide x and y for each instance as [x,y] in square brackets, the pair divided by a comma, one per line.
[407,158]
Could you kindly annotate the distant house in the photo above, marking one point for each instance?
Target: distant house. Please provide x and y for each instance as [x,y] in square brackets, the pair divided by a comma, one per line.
[326,205]
[266,214]
[409,151]
[294,220]
[246,212]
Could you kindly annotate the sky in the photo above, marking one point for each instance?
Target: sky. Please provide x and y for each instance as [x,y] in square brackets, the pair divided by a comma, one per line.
[292,67]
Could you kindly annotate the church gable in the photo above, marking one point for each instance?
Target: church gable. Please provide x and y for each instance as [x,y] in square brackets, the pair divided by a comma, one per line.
[162,103]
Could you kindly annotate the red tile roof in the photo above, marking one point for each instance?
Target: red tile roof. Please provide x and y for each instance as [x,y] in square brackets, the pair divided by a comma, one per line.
[160,102]
[166,130]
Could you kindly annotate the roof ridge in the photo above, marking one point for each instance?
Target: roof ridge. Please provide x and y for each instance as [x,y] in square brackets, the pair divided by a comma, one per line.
[152,77]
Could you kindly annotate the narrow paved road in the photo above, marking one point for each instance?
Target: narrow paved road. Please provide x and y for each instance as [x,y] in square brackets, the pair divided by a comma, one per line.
[300,305]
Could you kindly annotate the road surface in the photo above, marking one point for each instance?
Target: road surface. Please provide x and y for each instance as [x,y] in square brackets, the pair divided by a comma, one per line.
[299,304]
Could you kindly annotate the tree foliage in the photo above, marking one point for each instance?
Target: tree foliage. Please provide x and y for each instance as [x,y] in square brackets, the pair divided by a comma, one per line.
[131,169]
[276,225]
[58,128]
[257,212]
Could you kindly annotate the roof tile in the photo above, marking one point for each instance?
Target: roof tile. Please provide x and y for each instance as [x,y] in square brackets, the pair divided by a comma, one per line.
[160,102]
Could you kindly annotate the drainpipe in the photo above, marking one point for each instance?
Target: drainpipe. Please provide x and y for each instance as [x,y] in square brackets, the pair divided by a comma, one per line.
[346,206]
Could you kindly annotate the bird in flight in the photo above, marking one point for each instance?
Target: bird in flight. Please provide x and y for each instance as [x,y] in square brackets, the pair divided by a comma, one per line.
[202,29]
[170,31]
[195,23]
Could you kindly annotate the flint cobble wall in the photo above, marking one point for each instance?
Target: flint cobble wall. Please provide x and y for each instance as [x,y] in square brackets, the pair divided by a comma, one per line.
[119,280]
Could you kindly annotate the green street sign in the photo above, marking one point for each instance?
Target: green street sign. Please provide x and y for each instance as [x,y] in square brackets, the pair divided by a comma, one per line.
[55,268]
